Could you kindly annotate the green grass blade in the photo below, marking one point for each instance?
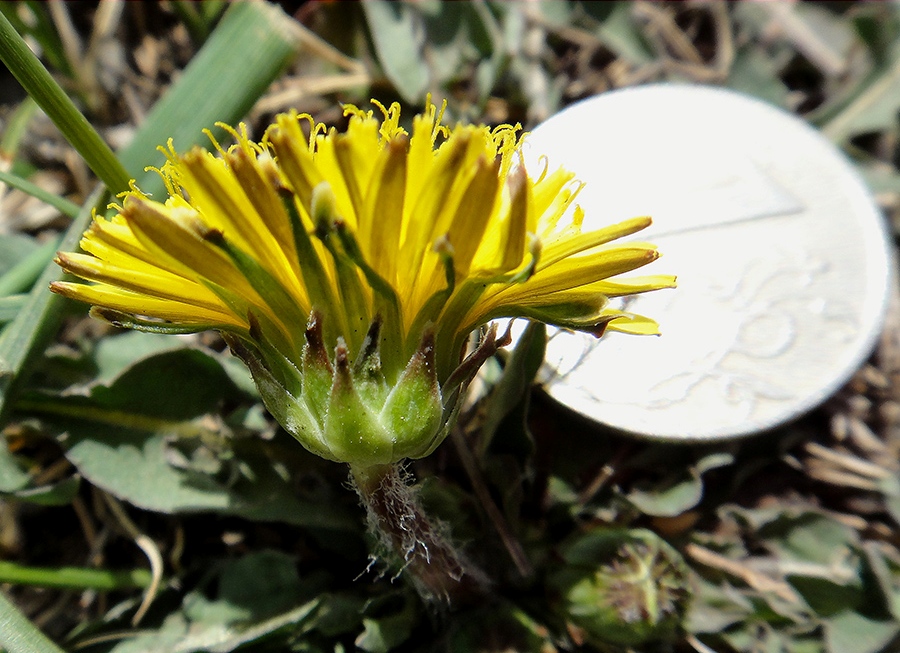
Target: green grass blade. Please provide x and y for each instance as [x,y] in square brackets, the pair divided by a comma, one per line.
[36,324]
[10,307]
[39,84]
[61,204]
[17,125]
[198,17]
[18,635]
[23,275]
[245,53]
[73,577]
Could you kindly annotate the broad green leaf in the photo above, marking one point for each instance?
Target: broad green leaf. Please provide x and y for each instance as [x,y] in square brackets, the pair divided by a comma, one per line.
[341,614]
[174,385]
[137,467]
[715,607]
[384,634]
[263,583]
[143,437]
[850,632]
[116,353]
[818,557]
[258,596]
[809,537]
[826,597]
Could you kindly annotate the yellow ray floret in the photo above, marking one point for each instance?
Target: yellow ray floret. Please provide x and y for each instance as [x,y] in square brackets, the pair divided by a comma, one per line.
[436,230]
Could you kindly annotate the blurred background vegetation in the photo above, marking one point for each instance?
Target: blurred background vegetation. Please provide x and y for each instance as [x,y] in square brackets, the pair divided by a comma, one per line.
[149,504]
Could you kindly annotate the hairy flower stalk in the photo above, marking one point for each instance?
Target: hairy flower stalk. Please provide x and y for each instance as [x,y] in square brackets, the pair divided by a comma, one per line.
[349,270]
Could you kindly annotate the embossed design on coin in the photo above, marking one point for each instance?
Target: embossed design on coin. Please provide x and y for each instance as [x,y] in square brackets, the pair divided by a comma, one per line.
[781,254]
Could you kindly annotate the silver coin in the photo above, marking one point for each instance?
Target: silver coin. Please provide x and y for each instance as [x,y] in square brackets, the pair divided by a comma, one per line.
[782,260]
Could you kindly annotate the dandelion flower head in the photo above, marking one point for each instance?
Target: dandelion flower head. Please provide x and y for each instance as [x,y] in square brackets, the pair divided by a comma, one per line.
[353,267]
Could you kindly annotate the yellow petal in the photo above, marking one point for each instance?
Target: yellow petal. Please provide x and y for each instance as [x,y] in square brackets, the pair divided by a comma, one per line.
[581,270]
[222,204]
[562,248]
[140,304]
[139,277]
[470,219]
[382,219]
[178,235]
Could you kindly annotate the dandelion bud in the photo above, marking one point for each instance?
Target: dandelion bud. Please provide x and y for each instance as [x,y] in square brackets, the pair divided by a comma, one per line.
[623,587]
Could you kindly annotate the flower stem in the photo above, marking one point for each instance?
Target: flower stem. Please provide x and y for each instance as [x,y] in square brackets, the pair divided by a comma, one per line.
[437,570]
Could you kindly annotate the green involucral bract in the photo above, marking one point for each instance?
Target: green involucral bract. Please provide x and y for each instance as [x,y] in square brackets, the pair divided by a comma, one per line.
[347,411]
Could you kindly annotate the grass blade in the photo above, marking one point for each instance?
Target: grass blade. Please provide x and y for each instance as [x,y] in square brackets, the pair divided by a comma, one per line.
[18,635]
[73,577]
[61,204]
[39,84]
[245,53]
[10,307]
[23,275]
[27,335]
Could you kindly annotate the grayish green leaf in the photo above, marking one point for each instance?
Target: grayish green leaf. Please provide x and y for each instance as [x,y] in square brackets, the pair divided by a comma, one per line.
[620,33]
[677,495]
[755,73]
[396,32]
[872,107]
[850,632]
[59,494]
[12,477]
[258,596]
